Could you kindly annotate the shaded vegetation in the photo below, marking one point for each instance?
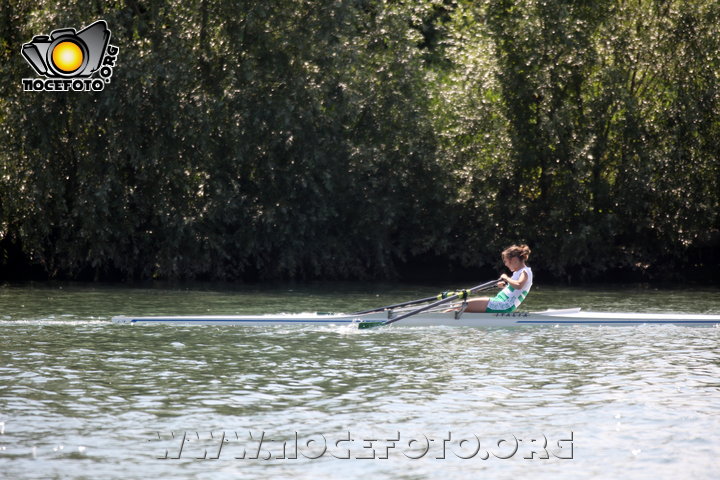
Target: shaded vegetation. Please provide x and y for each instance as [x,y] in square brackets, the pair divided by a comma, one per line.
[350,139]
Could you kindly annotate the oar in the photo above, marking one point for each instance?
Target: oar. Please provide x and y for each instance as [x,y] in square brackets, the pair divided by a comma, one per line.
[397,305]
[405,304]
[432,305]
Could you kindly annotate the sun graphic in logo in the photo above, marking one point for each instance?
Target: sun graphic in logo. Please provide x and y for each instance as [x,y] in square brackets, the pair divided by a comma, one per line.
[67,56]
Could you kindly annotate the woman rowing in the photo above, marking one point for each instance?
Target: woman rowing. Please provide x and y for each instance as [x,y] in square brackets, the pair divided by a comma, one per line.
[515,288]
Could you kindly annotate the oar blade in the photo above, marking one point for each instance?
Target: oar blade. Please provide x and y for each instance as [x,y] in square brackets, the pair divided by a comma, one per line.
[370,324]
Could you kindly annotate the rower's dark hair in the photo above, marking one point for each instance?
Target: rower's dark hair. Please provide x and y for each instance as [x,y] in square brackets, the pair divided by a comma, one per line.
[520,251]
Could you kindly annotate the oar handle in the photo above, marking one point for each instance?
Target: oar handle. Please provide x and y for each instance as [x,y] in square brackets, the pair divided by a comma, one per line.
[440,302]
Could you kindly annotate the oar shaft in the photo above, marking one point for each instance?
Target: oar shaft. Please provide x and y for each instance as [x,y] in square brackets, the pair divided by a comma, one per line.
[439,302]
[416,302]
[397,305]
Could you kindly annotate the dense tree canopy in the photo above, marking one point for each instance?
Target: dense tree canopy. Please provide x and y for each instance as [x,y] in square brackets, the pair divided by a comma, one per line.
[271,139]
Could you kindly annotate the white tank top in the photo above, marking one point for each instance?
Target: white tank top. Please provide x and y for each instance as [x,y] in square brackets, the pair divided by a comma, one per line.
[516,296]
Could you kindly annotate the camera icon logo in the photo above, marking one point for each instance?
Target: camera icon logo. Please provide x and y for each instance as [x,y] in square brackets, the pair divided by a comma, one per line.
[66,54]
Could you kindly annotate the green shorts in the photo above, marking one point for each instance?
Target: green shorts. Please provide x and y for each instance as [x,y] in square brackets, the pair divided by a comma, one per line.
[499,305]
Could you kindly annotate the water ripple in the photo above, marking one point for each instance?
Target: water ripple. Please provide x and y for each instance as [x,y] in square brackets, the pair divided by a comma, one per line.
[636,398]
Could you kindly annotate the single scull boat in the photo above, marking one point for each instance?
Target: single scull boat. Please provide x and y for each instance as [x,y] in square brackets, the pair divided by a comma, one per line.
[571,316]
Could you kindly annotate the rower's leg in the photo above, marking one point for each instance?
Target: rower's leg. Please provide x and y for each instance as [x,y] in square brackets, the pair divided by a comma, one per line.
[477,305]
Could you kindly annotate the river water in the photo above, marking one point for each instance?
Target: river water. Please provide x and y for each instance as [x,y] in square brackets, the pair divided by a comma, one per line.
[81,398]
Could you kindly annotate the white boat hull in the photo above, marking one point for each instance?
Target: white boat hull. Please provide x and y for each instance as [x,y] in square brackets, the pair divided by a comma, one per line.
[573,316]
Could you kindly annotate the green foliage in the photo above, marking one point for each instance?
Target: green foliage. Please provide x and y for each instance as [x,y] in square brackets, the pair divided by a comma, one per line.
[289,138]
[611,114]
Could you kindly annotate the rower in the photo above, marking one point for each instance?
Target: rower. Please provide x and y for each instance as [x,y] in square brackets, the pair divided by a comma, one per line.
[514,288]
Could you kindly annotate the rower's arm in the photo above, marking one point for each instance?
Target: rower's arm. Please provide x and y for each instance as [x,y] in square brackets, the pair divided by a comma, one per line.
[516,284]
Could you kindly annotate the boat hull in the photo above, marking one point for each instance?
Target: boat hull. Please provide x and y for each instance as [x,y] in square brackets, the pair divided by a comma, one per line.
[549,317]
